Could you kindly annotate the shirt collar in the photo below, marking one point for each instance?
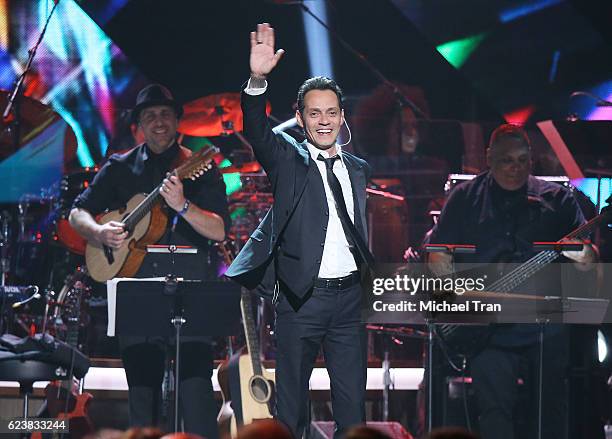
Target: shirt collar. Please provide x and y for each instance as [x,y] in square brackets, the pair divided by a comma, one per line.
[168,155]
[314,152]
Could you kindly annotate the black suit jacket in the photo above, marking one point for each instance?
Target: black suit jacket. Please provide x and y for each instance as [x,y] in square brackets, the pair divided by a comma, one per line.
[288,244]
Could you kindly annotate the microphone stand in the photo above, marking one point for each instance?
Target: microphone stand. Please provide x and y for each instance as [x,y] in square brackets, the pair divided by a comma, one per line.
[401,97]
[13,103]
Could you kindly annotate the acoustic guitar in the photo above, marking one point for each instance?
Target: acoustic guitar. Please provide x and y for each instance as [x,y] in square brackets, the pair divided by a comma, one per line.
[145,221]
[63,400]
[247,387]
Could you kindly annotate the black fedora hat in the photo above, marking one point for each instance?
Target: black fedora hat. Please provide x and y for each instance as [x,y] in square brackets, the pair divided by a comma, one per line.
[155,94]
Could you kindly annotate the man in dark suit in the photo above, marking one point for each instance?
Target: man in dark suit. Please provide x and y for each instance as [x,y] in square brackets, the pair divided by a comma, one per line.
[311,246]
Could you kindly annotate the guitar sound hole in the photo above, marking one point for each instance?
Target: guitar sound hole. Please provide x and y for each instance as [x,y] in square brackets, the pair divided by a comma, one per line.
[260,389]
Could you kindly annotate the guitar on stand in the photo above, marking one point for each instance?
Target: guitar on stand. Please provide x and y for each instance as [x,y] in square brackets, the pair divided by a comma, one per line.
[247,387]
[145,221]
[64,399]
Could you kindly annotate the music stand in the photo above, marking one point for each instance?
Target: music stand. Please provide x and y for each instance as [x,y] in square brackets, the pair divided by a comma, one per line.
[189,308]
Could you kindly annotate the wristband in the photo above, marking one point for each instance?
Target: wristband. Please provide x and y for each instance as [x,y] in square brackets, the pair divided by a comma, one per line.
[185,207]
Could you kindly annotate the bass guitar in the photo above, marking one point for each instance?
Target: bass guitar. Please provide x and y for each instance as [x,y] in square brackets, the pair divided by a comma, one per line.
[467,340]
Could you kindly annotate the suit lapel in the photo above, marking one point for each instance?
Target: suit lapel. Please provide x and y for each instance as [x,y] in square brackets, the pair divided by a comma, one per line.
[358,184]
[304,169]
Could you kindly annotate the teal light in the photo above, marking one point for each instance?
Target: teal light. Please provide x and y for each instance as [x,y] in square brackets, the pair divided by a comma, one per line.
[232,180]
[588,186]
[238,212]
[457,52]
[82,150]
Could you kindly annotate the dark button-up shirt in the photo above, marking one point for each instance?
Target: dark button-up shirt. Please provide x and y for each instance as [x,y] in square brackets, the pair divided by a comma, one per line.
[140,170]
[503,225]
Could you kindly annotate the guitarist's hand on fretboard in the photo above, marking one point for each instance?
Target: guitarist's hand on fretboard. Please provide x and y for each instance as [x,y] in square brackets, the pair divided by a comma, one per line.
[584,258]
[112,234]
[172,192]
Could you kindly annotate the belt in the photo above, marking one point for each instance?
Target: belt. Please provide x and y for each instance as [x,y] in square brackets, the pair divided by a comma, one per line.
[338,283]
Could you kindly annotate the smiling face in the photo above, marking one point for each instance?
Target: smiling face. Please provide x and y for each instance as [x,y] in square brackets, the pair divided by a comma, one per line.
[321,118]
[159,124]
[510,162]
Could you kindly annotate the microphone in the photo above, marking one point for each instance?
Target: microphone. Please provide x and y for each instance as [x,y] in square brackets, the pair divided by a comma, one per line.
[603,103]
[36,296]
[284,125]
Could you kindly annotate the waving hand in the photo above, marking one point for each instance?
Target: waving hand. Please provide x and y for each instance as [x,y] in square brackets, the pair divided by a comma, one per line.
[263,58]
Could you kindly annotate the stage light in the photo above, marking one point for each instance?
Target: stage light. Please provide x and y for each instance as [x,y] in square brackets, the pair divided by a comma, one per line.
[317,40]
[602,347]
[588,186]
[601,113]
[525,9]
[232,180]
[457,52]
[520,116]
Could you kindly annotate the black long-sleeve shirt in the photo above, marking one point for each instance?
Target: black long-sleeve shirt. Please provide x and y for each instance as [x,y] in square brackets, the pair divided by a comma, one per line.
[140,170]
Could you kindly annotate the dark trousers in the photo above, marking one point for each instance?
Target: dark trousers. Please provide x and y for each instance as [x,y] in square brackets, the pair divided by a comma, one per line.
[495,372]
[144,367]
[331,319]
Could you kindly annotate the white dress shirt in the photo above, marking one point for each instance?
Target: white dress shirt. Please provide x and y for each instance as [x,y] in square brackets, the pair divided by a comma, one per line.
[337,260]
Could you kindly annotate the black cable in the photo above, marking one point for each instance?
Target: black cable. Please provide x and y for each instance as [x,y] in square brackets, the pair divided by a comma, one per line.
[462,369]
[466,411]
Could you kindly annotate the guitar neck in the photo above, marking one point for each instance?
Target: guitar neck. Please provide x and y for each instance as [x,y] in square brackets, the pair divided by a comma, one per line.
[519,275]
[249,331]
[193,167]
[142,209]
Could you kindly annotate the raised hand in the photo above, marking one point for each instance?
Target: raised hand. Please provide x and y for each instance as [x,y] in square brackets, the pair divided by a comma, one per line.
[263,58]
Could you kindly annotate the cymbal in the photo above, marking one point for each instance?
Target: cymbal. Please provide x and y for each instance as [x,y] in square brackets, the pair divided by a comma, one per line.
[249,167]
[213,115]
[36,119]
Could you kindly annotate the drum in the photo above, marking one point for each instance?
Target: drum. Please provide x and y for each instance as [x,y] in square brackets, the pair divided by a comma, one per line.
[71,186]
[68,237]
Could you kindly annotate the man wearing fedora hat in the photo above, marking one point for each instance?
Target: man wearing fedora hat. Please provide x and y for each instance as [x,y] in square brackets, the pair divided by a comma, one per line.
[198,213]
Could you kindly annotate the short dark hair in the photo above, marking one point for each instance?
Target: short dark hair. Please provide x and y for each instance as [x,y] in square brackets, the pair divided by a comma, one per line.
[318,83]
[511,131]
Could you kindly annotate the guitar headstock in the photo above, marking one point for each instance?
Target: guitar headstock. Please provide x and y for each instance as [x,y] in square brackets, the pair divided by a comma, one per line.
[196,165]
